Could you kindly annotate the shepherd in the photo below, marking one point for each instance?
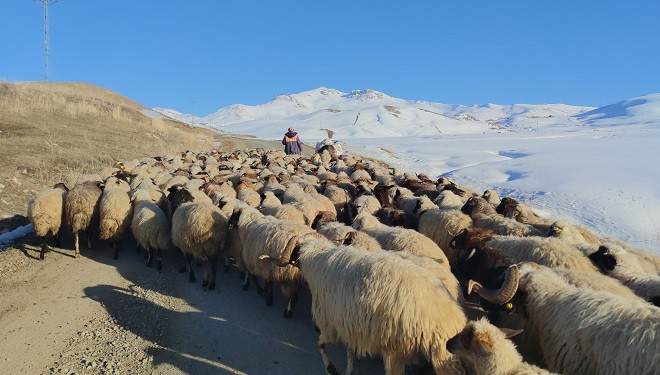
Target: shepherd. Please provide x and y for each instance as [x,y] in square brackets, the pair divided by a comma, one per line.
[291,142]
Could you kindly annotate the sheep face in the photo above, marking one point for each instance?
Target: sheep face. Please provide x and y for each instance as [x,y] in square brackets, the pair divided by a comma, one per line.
[476,342]
[603,259]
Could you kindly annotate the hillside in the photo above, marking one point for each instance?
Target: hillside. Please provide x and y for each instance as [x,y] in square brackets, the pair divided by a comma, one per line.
[51,133]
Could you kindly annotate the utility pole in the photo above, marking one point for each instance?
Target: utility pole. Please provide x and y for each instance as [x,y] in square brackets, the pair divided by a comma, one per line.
[46,40]
[192,116]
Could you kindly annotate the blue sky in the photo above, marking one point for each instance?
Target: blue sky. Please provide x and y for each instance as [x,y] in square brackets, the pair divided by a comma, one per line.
[170,53]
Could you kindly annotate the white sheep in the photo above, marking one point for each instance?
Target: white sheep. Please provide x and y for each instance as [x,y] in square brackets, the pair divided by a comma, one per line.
[200,231]
[45,212]
[376,303]
[400,239]
[625,267]
[488,351]
[260,235]
[581,331]
[450,201]
[442,226]
[150,226]
[484,216]
[341,234]
[81,210]
[116,212]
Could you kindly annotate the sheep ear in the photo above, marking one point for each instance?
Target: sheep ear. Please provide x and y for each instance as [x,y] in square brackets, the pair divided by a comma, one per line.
[480,348]
[350,237]
[509,333]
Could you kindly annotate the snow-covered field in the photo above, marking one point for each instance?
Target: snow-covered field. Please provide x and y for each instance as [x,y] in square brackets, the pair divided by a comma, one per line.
[594,166]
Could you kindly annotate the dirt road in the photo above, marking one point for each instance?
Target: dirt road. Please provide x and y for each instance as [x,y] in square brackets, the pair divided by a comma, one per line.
[99,315]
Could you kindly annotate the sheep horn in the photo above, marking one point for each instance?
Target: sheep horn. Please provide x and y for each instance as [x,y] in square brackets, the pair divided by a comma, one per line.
[502,295]
[286,255]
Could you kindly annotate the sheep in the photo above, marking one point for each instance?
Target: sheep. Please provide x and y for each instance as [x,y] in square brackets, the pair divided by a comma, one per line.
[260,235]
[285,212]
[81,210]
[116,212]
[649,261]
[45,212]
[441,226]
[150,227]
[200,231]
[626,268]
[400,239]
[482,262]
[360,175]
[549,252]
[376,303]
[268,199]
[484,216]
[492,197]
[581,331]
[246,192]
[450,201]
[513,209]
[341,234]
[339,198]
[487,350]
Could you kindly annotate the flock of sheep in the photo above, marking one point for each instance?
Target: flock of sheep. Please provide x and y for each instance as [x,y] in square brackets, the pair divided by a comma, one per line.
[396,263]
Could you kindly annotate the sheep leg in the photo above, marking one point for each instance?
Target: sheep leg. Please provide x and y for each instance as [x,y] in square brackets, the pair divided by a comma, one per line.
[150,257]
[184,262]
[329,367]
[269,293]
[246,280]
[58,243]
[350,356]
[88,234]
[44,245]
[260,290]
[117,246]
[138,248]
[159,260]
[227,264]
[293,301]
[191,274]
[77,247]
[212,266]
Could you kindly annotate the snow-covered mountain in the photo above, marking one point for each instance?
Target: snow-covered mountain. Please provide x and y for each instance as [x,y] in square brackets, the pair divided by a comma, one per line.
[639,110]
[369,113]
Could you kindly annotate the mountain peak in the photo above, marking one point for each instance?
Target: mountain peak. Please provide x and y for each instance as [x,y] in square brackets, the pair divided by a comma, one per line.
[367,95]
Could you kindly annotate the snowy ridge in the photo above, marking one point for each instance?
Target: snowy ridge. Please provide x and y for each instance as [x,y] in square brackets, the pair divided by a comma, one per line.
[370,113]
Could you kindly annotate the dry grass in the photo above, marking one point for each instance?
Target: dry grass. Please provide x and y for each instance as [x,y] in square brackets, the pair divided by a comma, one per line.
[52,133]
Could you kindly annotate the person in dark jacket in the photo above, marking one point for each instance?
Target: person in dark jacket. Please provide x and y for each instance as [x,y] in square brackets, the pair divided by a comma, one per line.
[291,142]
